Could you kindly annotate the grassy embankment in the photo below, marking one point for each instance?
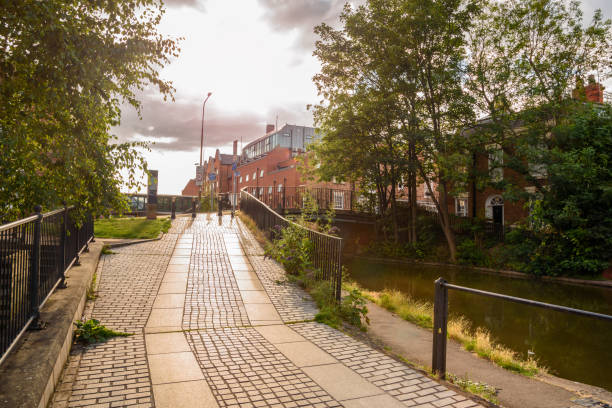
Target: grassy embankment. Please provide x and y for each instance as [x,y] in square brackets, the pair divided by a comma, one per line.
[134,227]
[478,341]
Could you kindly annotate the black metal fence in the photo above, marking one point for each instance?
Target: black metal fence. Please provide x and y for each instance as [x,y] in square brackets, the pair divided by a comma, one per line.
[438,360]
[290,198]
[327,249]
[138,203]
[35,254]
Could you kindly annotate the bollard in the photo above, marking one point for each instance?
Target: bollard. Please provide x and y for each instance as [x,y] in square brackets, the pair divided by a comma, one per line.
[219,206]
[173,206]
[438,357]
[193,208]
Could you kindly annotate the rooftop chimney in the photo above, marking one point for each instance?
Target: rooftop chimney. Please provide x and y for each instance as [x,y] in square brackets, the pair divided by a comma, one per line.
[235,147]
[594,90]
[269,128]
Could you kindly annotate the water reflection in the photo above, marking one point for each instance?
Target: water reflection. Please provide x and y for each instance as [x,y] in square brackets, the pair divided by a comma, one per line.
[573,347]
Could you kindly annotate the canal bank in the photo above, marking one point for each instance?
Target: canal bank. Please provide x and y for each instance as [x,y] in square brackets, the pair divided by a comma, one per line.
[414,344]
[571,347]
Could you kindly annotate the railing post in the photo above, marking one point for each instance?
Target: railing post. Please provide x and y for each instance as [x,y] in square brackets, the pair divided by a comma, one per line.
[193,207]
[173,208]
[339,273]
[284,193]
[438,360]
[35,272]
[62,284]
[77,261]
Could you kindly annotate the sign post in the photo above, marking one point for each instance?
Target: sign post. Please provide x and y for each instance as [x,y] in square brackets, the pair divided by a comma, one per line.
[199,175]
[212,177]
[152,195]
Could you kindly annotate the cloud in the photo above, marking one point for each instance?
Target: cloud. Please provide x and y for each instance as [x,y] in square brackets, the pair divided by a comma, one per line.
[302,16]
[197,4]
[176,126]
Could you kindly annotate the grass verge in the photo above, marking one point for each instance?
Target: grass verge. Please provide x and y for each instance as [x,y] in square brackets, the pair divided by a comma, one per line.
[476,340]
[260,237]
[134,227]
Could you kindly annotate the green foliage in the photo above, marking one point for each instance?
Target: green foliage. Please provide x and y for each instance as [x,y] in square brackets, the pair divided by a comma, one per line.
[66,68]
[483,390]
[569,231]
[92,331]
[131,227]
[471,254]
[352,309]
[106,251]
[205,204]
[291,248]
[91,290]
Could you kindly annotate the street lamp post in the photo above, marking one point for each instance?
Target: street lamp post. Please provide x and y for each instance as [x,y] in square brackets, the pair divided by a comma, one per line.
[201,147]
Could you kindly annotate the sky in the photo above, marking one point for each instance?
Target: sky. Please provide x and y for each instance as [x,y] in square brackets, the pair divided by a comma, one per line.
[255,56]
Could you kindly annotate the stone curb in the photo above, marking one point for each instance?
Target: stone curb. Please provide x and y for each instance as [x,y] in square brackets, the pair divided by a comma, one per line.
[131,242]
[31,372]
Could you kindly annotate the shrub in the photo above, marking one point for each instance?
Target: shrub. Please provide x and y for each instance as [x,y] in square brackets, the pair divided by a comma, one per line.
[292,249]
[468,253]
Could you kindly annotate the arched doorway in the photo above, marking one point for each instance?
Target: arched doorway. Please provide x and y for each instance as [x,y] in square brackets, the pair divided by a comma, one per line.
[494,209]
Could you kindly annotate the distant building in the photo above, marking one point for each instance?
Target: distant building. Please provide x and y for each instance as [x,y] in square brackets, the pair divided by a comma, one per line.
[190,189]
[270,160]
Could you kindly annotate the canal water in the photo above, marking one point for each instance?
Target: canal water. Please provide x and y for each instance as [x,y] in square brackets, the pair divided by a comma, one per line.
[572,347]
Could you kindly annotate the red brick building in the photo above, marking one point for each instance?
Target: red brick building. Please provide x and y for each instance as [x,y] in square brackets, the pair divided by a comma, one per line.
[488,203]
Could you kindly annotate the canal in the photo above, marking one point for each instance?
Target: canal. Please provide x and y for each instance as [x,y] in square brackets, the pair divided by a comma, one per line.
[572,347]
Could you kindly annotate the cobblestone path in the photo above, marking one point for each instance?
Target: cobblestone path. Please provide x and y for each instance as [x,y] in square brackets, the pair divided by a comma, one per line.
[217,325]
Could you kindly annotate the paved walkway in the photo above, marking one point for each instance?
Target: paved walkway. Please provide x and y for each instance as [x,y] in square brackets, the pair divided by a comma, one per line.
[217,325]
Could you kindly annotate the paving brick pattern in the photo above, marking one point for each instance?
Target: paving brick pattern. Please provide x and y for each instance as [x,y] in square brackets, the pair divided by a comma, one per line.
[245,370]
[115,373]
[397,379]
[291,302]
[213,299]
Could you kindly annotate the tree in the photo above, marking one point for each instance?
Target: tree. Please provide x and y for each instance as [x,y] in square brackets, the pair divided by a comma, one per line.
[572,219]
[65,69]
[404,58]
[359,111]
[525,58]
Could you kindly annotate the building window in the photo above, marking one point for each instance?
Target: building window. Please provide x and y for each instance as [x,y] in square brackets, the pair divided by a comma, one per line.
[280,188]
[270,190]
[254,175]
[241,179]
[261,173]
[338,200]
[261,190]
[247,177]
[461,207]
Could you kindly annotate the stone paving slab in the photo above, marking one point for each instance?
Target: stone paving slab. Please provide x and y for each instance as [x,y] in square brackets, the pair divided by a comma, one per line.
[211,330]
[116,373]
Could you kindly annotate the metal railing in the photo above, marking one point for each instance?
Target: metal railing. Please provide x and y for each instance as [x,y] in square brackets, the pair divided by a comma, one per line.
[292,198]
[438,360]
[138,203]
[327,249]
[35,254]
